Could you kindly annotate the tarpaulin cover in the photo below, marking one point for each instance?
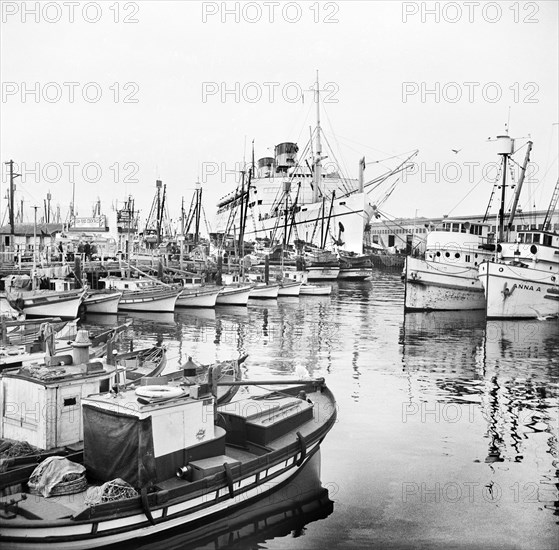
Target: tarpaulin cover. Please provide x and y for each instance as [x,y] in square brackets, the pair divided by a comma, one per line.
[118,445]
[52,471]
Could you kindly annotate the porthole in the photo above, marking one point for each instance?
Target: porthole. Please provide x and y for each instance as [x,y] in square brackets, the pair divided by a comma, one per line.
[447,254]
[457,255]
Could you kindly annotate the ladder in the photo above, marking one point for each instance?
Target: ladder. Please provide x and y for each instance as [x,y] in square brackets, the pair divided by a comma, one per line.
[552,206]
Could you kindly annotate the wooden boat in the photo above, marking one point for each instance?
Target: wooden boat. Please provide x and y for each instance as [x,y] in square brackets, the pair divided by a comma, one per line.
[234,295]
[52,423]
[163,300]
[143,294]
[100,301]
[315,290]
[264,291]
[55,338]
[184,460]
[203,296]
[22,332]
[289,288]
[281,513]
[48,303]
[7,311]
[355,267]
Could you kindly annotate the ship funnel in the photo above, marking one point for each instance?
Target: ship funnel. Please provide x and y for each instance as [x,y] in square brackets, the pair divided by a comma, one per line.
[286,156]
[265,167]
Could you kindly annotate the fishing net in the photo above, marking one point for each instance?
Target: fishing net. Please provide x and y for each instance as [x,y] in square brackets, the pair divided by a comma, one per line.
[116,489]
[57,475]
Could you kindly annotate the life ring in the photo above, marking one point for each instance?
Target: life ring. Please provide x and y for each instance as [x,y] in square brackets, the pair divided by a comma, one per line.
[159,392]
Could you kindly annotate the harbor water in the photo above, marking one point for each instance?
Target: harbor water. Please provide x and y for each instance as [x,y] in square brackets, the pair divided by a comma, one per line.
[447,423]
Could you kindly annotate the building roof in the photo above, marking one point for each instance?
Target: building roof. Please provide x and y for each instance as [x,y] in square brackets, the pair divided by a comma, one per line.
[26,229]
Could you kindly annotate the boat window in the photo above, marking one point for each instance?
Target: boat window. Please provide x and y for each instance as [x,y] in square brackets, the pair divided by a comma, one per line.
[467,258]
[528,238]
[104,386]
[70,401]
[547,240]
[521,237]
[536,238]
[455,227]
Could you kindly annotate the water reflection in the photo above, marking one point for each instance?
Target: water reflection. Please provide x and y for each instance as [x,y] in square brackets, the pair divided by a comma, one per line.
[501,375]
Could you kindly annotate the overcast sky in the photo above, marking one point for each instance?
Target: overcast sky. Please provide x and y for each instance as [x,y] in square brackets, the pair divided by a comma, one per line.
[178,91]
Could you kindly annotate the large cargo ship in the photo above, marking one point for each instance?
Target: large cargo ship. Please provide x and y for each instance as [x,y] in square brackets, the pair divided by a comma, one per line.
[292,196]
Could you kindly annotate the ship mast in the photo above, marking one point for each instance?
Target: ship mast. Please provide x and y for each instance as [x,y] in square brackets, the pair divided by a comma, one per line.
[519,186]
[318,158]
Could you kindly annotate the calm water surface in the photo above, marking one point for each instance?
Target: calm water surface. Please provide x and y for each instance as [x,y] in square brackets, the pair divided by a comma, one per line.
[447,424]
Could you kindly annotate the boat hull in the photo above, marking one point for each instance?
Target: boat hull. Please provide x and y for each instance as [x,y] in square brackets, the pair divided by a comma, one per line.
[217,490]
[102,303]
[519,292]
[354,273]
[315,290]
[265,292]
[438,286]
[52,304]
[289,289]
[322,273]
[148,301]
[233,296]
[202,298]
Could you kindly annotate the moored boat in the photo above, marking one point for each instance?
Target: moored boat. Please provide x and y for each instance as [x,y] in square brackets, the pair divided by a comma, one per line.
[232,295]
[49,303]
[447,278]
[315,290]
[179,473]
[525,282]
[52,423]
[264,292]
[204,296]
[99,301]
[289,288]
[522,280]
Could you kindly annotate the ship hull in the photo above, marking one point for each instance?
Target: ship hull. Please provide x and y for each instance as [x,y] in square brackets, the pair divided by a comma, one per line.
[148,301]
[345,219]
[52,304]
[233,296]
[438,286]
[103,303]
[519,292]
[202,298]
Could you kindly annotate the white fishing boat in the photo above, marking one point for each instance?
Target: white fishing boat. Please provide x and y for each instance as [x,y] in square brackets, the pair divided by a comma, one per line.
[315,290]
[525,282]
[203,296]
[232,295]
[143,294]
[321,207]
[170,456]
[263,291]
[48,303]
[289,289]
[447,279]
[99,301]
[522,281]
